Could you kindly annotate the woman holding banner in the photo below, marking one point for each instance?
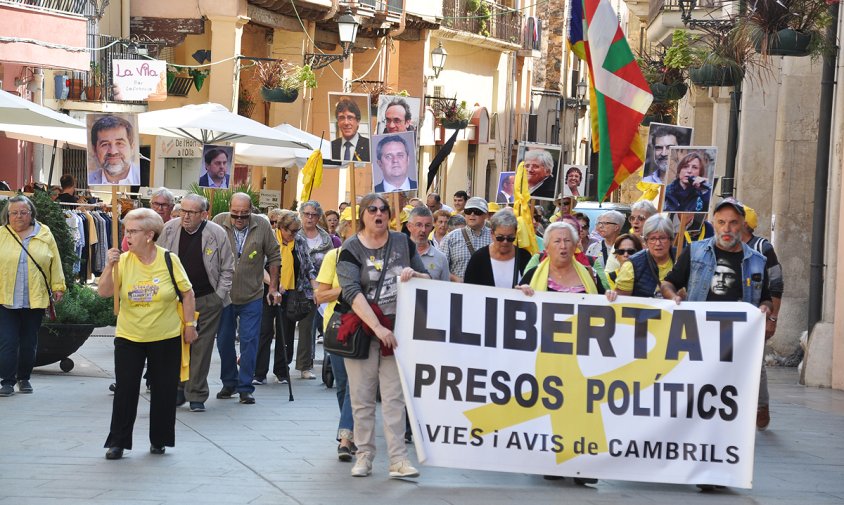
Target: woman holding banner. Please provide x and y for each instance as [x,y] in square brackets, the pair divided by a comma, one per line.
[369,268]
[642,274]
[559,271]
[500,263]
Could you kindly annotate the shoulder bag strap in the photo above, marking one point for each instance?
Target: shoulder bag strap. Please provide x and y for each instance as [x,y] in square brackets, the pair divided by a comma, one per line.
[169,261]
[468,242]
[14,236]
[383,267]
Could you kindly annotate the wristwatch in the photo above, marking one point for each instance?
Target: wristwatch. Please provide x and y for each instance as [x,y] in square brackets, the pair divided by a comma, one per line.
[772,319]
[190,323]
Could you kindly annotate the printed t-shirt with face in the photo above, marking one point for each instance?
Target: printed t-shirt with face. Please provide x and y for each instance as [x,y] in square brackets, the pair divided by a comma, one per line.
[725,285]
[148,299]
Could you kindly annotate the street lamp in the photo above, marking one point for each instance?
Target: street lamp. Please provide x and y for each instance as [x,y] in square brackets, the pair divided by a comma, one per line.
[347,26]
[438,57]
[579,102]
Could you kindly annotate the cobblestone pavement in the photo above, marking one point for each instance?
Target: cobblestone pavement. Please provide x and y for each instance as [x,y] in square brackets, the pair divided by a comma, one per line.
[280,452]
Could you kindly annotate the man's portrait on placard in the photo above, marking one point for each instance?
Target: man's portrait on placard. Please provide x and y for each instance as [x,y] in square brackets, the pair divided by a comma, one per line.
[349,124]
[113,150]
[398,114]
[574,180]
[690,176]
[506,188]
[541,162]
[216,166]
[661,138]
[394,166]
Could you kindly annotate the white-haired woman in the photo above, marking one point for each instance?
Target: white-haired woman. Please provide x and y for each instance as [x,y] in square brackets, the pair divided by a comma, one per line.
[643,272]
[148,331]
[559,271]
[609,227]
[639,213]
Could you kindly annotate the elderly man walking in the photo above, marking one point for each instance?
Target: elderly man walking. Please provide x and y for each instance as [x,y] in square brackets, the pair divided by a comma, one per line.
[204,249]
[459,245]
[253,244]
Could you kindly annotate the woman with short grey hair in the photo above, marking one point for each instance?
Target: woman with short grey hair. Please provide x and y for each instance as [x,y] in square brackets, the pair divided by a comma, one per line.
[609,228]
[501,263]
[643,272]
[639,213]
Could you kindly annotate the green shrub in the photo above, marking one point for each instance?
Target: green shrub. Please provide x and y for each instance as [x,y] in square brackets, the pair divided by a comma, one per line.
[82,305]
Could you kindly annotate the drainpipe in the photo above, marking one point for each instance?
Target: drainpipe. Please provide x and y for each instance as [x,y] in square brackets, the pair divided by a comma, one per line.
[335,6]
[402,23]
[816,264]
[728,182]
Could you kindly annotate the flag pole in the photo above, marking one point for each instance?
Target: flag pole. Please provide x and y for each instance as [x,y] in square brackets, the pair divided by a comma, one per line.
[353,197]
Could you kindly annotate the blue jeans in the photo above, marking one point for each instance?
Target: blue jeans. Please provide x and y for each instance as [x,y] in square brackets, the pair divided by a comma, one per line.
[18,343]
[249,317]
[341,379]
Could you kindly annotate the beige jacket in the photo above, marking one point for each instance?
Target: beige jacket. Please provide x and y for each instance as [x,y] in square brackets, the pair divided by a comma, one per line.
[217,254]
[261,247]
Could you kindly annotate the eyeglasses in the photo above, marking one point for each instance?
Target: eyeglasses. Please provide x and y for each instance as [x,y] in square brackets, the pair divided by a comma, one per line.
[636,218]
[606,223]
[372,209]
[310,214]
[19,213]
[654,240]
[508,238]
[133,232]
[240,216]
[293,230]
[474,212]
[625,252]
[160,205]
[191,212]
[273,222]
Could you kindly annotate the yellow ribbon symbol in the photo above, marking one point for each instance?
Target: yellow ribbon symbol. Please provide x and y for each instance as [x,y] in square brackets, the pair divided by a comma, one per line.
[572,421]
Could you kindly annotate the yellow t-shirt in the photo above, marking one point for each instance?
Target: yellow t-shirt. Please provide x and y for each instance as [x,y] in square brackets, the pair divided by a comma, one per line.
[626,277]
[148,301]
[328,275]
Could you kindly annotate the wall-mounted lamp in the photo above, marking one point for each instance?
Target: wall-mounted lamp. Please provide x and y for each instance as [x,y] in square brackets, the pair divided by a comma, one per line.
[438,57]
[579,102]
[347,26]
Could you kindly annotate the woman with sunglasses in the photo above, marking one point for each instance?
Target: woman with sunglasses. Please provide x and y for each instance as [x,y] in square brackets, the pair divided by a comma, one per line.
[374,252]
[639,213]
[297,273]
[501,263]
[625,246]
[642,274]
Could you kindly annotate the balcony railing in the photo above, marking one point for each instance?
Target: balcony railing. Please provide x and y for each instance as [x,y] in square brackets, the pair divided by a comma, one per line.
[76,7]
[657,7]
[495,20]
[117,50]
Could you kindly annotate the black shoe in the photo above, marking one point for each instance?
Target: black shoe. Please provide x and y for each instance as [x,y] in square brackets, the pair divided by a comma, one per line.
[344,453]
[180,397]
[157,450]
[706,488]
[582,481]
[112,387]
[197,407]
[553,477]
[114,453]
[408,437]
[225,393]
[247,398]
[24,387]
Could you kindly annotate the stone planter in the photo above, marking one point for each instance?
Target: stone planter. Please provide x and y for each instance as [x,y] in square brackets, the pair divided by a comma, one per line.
[58,341]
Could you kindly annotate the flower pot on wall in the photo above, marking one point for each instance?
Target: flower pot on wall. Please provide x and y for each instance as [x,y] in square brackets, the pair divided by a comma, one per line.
[786,42]
[715,75]
[74,89]
[93,93]
[667,92]
[454,124]
[279,95]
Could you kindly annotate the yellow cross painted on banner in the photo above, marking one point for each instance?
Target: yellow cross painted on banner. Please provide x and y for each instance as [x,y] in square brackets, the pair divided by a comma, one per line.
[571,421]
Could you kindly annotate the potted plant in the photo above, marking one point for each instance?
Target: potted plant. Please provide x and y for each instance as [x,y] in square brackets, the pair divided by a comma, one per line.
[281,80]
[788,27]
[198,77]
[219,199]
[245,103]
[75,87]
[722,57]
[454,116]
[96,82]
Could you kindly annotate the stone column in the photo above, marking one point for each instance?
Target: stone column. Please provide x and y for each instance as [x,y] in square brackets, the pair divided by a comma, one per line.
[224,82]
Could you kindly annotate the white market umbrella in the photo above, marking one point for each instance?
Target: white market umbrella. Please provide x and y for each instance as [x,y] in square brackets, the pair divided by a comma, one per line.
[211,123]
[270,156]
[15,110]
[61,137]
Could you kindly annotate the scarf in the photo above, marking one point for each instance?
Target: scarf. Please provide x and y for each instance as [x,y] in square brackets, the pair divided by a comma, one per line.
[287,281]
[540,276]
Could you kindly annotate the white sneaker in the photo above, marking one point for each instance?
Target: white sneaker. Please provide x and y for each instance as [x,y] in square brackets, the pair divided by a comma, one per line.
[363,467]
[319,339]
[308,374]
[403,469]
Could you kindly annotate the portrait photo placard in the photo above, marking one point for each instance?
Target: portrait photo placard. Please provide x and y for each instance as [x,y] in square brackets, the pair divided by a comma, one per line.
[394,163]
[506,187]
[661,138]
[574,180]
[216,166]
[541,164]
[349,120]
[690,177]
[398,114]
[113,151]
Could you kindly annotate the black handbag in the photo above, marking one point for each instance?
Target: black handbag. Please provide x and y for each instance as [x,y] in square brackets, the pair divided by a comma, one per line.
[298,306]
[356,345]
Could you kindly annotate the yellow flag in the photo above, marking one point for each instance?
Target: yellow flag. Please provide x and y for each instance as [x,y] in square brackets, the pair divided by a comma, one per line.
[525,233]
[311,175]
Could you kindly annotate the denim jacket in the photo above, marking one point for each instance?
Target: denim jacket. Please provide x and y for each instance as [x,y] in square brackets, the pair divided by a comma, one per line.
[703,267]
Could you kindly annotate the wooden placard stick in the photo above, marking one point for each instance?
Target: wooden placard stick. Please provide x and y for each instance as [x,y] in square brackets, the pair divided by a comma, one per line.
[115,243]
[353,197]
[685,218]
[395,201]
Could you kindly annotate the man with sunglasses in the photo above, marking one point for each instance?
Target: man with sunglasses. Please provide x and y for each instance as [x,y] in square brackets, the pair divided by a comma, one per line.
[204,249]
[459,245]
[254,245]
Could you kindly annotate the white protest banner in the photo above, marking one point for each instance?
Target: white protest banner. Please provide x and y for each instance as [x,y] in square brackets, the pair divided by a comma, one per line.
[142,80]
[571,385]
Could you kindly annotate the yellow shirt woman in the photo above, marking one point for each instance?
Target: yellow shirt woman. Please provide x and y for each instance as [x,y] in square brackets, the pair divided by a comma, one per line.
[148,310]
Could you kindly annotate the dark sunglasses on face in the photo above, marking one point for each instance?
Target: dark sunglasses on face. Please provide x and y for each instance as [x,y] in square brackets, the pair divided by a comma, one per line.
[508,238]
[241,216]
[273,222]
[636,218]
[474,212]
[628,252]
[372,209]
